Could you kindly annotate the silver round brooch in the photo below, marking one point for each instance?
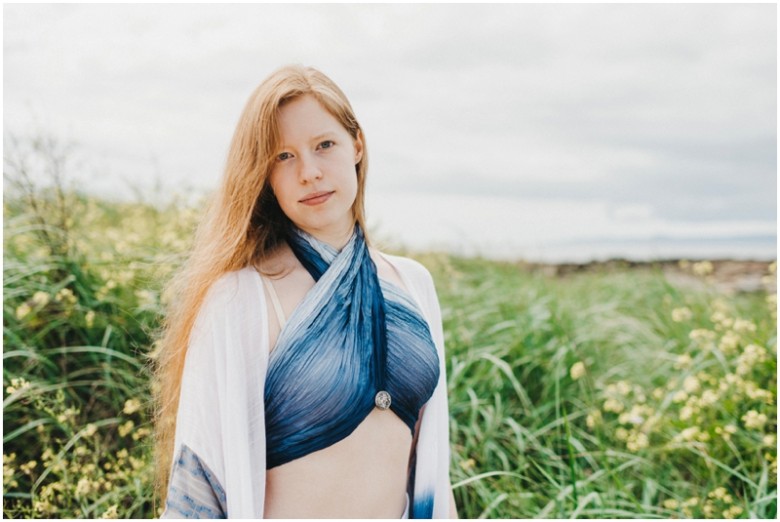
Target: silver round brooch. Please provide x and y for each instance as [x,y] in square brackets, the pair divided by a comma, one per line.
[382,400]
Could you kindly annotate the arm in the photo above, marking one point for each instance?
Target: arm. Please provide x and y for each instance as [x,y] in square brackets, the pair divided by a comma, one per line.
[194,489]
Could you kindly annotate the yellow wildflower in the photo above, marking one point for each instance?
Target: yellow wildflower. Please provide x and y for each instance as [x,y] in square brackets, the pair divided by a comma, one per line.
[693,501]
[681,314]
[613,405]
[17,383]
[89,318]
[671,503]
[750,356]
[44,507]
[686,412]
[688,434]
[28,467]
[754,392]
[623,388]
[691,384]
[769,440]
[593,419]
[83,487]
[125,428]
[635,416]
[90,430]
[729,343]
[732,512]
[683,361]
[721,320]
[65,295]
[22,310]
[131,406]
[68,415]
[140,433]
[111,512]
[743,325]
[47,455]
[121,454]
[577,370]
[726,432]
[680,396]
[702,336]
[709,398]
[41,298]
[754,420]
[138,463]
[9,471]
[467,464]
[637,441]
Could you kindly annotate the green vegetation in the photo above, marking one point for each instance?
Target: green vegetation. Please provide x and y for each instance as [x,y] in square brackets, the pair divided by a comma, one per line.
[606,395]
[596,395]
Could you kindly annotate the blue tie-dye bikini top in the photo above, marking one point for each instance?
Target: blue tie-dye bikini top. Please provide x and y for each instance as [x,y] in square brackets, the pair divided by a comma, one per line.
[354,343]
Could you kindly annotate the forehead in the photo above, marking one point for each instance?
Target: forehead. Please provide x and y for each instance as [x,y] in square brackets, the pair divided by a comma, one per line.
[304,117]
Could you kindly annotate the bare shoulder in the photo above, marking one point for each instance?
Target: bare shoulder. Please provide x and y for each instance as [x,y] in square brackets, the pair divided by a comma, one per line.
[402,270]
[411,268]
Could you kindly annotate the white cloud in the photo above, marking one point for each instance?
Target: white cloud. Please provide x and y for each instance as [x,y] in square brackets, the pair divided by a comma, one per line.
[663,107]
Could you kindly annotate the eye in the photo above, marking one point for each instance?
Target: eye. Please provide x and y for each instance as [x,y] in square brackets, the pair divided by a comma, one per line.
[283,156]
[326,144]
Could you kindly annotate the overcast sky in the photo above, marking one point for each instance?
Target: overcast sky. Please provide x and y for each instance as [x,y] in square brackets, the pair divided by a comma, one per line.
[503,129]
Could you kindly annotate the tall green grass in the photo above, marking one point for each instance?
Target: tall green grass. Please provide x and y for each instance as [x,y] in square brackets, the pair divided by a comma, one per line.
[596,395]
[565,394]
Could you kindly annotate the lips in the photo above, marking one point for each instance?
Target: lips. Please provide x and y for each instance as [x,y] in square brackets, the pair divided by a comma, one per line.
[315,195]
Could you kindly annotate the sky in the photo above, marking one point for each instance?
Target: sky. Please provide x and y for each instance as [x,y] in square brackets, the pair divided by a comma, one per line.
[535,131]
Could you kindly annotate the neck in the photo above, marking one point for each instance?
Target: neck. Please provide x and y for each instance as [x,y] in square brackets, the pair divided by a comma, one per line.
[335,239]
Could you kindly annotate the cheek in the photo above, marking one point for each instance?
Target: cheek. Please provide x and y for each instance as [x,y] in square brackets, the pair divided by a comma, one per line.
[279,190]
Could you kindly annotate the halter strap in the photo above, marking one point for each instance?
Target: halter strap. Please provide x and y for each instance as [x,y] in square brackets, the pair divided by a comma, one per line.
[274,301]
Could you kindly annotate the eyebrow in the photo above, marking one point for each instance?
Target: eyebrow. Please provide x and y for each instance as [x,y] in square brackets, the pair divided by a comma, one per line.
[323,135]
[326,134]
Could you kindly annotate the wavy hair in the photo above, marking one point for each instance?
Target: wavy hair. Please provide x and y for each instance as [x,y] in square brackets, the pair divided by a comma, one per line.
[242,226]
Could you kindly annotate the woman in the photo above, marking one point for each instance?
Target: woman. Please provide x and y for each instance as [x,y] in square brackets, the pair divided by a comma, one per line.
[301,372]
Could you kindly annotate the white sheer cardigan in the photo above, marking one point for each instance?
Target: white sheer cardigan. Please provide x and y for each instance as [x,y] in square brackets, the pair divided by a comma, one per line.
[221,417]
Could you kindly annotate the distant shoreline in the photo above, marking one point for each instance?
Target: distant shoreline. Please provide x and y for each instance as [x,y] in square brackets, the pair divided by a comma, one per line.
[728,275]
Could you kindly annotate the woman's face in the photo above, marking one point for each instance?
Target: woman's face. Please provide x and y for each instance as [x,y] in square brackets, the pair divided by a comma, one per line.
[314,176]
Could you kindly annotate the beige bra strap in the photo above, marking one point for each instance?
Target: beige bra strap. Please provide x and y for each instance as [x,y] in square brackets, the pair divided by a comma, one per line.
[275,301]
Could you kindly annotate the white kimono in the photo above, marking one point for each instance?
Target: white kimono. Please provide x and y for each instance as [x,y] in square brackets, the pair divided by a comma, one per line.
[221,421]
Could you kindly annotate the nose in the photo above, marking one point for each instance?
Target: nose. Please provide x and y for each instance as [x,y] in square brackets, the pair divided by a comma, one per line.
[308,169]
